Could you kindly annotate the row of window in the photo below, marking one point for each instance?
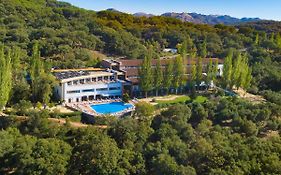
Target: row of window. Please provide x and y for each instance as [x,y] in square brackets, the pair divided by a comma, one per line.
[88,80]
[93,90]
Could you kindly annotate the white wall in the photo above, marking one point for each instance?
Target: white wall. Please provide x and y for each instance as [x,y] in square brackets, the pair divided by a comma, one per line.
[62,92]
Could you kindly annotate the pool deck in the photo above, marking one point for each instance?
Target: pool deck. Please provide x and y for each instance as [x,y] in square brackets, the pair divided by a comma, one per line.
[86,108]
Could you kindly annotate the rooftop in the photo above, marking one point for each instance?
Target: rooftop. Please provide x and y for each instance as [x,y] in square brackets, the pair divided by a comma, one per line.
[138,62]
[67,74]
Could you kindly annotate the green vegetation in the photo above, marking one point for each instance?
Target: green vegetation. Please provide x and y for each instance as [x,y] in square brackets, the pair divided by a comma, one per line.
[200,99]
[146,74]
[218,135]
[183,139]
[5,77]
[180,99]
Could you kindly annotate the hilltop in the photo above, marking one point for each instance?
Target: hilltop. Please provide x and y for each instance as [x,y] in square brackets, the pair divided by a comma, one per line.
[204,19]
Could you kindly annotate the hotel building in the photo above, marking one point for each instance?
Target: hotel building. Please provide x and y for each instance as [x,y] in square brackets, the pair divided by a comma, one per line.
[77,85]
[131,68]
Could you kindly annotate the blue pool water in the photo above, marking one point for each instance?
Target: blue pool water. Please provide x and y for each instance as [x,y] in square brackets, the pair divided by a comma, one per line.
[110,108]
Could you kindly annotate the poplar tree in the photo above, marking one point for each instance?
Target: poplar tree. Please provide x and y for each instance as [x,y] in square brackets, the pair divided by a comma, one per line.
[193,78]
[248,79]
[146,74]
[272,35]
[278,40]
[36,70]
[227,70]
[158,76]
[203,49]
[236,70]
[215,70]
[17,71]
[178,73]
[210,73]
[245,76]
[168,76]
[42,82]
[5,77]
[257,40]
[199,71]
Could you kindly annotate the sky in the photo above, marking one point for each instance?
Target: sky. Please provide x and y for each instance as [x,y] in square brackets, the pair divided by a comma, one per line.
[264,9]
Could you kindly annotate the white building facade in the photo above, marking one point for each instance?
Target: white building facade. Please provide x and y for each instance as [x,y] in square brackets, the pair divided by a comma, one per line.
[83,85]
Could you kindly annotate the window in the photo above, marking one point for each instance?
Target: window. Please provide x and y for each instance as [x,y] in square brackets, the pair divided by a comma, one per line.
[75,82]
[102,89]
[94,79]
[99,78]
[73,92]
[69,83]
[112,78]
[114,88]
[88,90]
[82,81]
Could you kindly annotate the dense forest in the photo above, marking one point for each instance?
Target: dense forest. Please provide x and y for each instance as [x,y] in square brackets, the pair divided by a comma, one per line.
[223,135]
[68,35]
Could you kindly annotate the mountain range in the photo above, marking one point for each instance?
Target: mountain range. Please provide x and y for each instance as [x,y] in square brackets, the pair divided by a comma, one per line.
[198,18]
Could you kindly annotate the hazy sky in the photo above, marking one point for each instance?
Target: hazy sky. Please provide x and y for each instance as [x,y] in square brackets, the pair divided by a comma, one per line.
[265,9]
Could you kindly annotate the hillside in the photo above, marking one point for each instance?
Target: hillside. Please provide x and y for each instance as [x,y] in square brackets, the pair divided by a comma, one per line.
[181,129]
[67,36]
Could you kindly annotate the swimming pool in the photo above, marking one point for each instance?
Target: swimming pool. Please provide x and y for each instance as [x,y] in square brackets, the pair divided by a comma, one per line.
[111,108]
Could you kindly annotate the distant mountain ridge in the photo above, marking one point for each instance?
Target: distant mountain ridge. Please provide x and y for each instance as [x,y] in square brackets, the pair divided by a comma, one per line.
[203,19]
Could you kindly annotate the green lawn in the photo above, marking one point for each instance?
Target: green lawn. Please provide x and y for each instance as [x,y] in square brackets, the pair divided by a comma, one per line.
[177,100]
[182,99]
[200,99]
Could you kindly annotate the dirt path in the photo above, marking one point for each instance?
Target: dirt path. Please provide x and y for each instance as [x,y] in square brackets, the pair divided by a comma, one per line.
[75,124]
[61,122]
[250,97]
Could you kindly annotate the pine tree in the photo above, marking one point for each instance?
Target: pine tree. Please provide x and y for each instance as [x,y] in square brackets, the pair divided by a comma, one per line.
[168,76]
[178,73]
[146,74]
[5,76]
[158,76]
